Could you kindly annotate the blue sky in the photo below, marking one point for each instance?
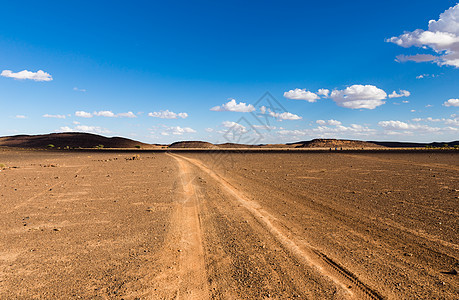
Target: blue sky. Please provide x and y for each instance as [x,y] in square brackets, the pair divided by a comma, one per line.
[163,71]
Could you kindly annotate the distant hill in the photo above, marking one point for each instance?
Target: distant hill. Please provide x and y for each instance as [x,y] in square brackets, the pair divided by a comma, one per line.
[73,140]
[193,144]
[334,143]
[88,140]
[415,145]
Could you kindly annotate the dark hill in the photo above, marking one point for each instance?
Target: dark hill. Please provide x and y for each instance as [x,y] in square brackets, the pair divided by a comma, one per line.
[192,144]
[73,140]
[414,145]
[334,143]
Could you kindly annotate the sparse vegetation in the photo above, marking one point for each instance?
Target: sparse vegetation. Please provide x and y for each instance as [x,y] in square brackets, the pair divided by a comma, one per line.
[2,166]
[100,146]
[51,146]
[137,146]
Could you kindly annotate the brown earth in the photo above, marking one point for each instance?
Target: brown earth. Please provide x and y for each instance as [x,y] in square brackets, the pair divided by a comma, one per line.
[228,226]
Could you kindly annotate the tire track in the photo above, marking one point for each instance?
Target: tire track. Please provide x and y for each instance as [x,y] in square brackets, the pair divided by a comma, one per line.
[191,273]
[346,281]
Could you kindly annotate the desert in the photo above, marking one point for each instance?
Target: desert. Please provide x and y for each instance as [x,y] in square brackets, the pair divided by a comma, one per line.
[198,150]
[219,225]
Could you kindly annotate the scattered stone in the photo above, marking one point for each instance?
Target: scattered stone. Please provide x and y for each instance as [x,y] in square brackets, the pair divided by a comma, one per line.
[408,254]
[56,229]
[451,272]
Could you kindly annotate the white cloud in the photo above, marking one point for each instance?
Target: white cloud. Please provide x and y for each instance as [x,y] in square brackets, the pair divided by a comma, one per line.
[284,116]
[405,101]
[429,105]
[329,122]
[76,123]
[209,129]
[128,114]
[359,96]
[83,114]
[303,94]
[232,105]
[20,117]
[54,116]
[402,93]
[323,92]
[79,90]
[84,128]
[442,36]
[36,76]
[104,113]
[236,127]
[166,114]
[453,121]
[325,131]
[426,76]
[177,130]
[452,102]
[402,128]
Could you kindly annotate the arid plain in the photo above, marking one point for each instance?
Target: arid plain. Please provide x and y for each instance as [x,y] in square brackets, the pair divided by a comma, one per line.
[219,225]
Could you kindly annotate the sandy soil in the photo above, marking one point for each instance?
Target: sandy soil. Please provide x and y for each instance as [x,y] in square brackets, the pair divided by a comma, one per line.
[228,226]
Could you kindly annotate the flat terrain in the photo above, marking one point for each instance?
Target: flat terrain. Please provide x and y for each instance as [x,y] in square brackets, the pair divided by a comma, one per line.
[99,225]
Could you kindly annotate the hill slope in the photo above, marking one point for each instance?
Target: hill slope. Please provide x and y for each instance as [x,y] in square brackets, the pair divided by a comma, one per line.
[73,140]
[334,143]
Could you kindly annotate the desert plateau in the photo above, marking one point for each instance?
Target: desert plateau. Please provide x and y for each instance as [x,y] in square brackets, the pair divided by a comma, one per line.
[228,225]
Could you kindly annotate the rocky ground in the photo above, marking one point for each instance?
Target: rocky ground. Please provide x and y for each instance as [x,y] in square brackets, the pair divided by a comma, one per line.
[109,225]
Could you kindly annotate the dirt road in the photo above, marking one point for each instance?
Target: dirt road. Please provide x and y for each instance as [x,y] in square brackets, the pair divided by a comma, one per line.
[243,226]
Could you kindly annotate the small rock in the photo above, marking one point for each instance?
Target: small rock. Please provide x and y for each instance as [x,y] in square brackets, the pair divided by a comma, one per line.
[57,229]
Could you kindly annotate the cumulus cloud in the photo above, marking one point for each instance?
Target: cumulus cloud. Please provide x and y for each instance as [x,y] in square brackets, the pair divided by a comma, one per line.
[303,94]
[329,122]
[20,117]
[284,116]
[325,131]
[84,128]
[128,114]
[177,130]
[36,76]
[236,127]
[395,127]
[323,92]
[54,116]
[401,93]
[442,37]
[280,116]
[232,105]
[166,114]
[356,96]
[104,113]
[359,96]
[453,121]
[452,102]
[83,114]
